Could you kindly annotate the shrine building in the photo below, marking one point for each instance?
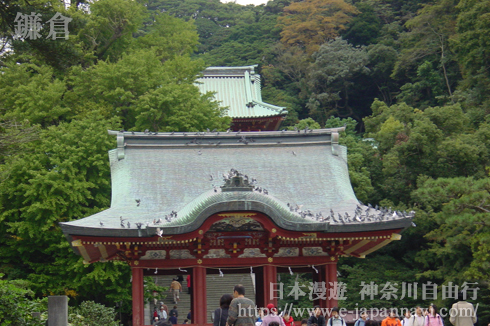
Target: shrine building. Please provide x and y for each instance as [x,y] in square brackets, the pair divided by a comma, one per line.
[239,89]
[234,201]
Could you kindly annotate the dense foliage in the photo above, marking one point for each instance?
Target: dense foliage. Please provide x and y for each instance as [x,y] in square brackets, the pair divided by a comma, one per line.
[410,79]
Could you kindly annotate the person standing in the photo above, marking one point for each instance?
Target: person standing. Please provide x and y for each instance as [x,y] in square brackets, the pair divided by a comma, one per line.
[462,313]
[242,309]
[188,284]
[180,279]
[174,312]
[288,319]
[362,321]
[162,314]
[406,318]
[418,319]
[272,316]
[391,320]
[221,314]
[336,320]
[175,288]
[172,320]
[317,319]
[433,318]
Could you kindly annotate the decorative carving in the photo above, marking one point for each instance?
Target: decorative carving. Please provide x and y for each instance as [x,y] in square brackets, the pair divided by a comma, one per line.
[287,252]
[314,251]
[217,253]
[236,223]
[154,254]
[308,236]
[251,253]
[235,181]
[181,254]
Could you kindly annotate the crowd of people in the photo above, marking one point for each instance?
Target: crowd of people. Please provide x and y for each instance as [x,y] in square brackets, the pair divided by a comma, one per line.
[238,310]
[462,313]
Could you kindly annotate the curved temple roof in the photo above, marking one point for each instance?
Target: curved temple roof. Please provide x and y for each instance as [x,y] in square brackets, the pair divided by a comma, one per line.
[238,88]
[174,181]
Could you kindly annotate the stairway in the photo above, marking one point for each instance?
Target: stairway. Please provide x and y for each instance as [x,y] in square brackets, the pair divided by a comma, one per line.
[183,305]
[216,287]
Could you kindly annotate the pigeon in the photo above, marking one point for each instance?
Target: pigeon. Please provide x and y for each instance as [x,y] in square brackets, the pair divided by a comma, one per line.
[139,225]
[138,202]
[122,224]
[129,225]
[146,131]
[210,177]
[414,225]
[341,219]
[199,152]
[159,232]
[101,224]
[228,130]
[122,220]
[265,192]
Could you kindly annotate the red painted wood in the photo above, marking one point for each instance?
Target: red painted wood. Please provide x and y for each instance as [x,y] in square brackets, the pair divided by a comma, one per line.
[137,294]
[269,278]
[238,262]
[199,303]
[331,281]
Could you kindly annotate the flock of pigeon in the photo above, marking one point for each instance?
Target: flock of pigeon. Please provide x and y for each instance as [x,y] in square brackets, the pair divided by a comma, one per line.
[369,214]
[199,141]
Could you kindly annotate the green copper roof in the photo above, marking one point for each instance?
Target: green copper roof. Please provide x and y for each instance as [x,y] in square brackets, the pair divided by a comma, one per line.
[304,173]
[238,88]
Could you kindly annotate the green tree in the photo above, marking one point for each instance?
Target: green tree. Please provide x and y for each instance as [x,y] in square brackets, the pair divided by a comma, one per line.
[311,23]
[60,177]
[331,77]
[460,243]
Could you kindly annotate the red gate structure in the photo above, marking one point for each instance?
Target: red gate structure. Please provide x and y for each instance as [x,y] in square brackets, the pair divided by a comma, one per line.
[207,200]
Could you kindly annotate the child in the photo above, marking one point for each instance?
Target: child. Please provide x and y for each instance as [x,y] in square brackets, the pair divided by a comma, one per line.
[288,320]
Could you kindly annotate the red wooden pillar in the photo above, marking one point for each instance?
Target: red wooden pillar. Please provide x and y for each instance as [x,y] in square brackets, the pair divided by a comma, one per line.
[269,284]
[199,304]
[137,293]
[320,277]
[331,282]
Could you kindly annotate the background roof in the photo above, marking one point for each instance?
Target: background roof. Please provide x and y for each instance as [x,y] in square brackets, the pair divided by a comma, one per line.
[238,88]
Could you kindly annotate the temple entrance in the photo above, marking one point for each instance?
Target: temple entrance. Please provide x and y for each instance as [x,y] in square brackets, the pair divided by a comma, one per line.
[217,284]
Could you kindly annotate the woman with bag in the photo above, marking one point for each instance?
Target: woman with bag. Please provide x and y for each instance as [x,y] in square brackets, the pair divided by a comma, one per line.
[221,314]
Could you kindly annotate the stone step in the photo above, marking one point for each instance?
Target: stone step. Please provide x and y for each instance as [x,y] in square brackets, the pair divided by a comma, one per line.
[216,287]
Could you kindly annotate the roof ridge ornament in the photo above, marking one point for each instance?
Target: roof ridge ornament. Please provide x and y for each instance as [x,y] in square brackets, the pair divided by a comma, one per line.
[235,181]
